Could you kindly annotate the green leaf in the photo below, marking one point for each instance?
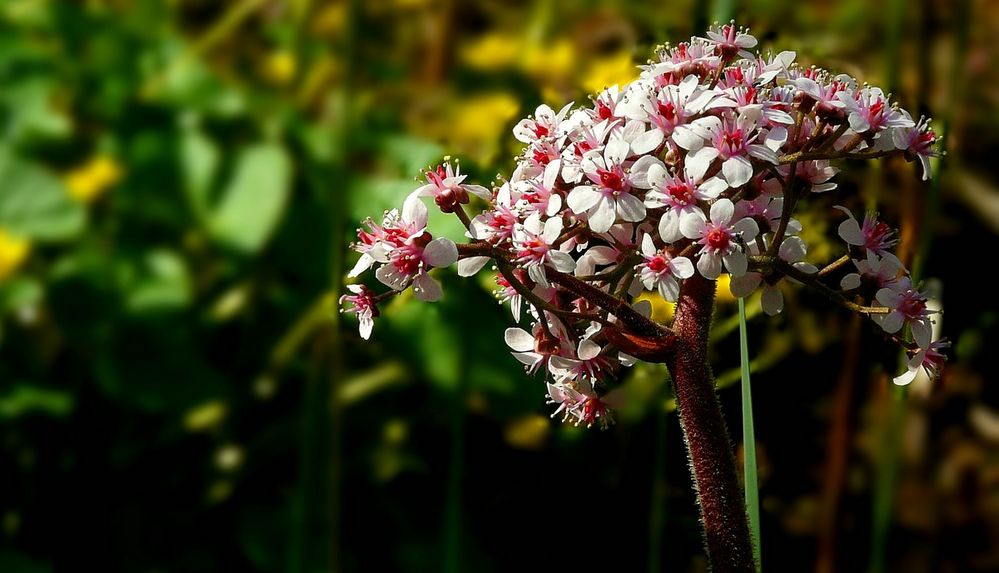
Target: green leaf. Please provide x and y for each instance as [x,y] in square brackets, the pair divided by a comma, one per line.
[34,203]
[749,440]
[30,104]
[199,161]
[255,198]
[26,399]
[18,292]
[161,284]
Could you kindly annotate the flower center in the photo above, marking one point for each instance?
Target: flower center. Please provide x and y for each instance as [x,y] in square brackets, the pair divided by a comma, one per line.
[682,193]
[717,239]
[912,307]
[611,179]
[658,264]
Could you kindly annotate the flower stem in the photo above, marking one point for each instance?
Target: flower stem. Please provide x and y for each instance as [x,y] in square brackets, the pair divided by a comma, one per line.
[723,512]
[749,439]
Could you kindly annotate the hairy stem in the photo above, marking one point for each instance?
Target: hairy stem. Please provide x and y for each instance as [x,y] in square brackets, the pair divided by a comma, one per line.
[723,512]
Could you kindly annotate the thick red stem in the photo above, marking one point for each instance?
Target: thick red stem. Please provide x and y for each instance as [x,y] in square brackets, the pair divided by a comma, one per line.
[723,510]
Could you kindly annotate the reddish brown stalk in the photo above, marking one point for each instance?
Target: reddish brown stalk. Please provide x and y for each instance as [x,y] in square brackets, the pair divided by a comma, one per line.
[838,452]
[723,513]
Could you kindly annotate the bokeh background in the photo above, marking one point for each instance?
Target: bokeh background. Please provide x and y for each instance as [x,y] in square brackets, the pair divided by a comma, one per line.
[179,180]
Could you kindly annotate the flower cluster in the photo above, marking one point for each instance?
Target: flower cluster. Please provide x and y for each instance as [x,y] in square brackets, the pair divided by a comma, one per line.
[695,168]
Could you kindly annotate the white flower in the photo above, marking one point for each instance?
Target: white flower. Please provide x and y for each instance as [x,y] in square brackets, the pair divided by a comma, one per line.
[609,197]
[930,359]
[545,123]
[660,272]
[533,244]
[791,250]
[732,139]
[908,307]
[680,195]
[717,238]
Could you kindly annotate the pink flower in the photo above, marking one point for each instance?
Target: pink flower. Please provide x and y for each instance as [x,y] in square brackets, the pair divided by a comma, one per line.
[445,185]
[791,250]
[609,197]
[908,307]
[731,41]
[883,272]
[680,195]
[408,262]
[533,247]
[930,359]
[732,139]
[538,193]
[580,404]
[536,350]
[363,304]
[919,142]
[587,363]
[717,238]
[874,235]
[661,272]
[869,111]
[545,123]
[667,108]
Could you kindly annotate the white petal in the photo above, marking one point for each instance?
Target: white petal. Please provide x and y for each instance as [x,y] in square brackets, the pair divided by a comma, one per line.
[850,282]
[682,267]
[648,141]
[440,253]
[364,326]
[849,231]
[792,250]
[922,332]
[588,349]
[582,198]
[669,288]
[721,212]
[892,322]
[602,217]
[470,266]
[414,212]
[639,174]
[709,266]
[746,228]
[698,162]
[776,138]
[736,263]
[616,152]
[630,208]
[648,246]
[906,377]
[390,277]
[363,264]
[888,297]
[563,262]
[425,288]
[518,339]
[669,226]
[737,171]
[479,191]
[744,286]
[772,300]
[553,228]
[692,224]
[686,138]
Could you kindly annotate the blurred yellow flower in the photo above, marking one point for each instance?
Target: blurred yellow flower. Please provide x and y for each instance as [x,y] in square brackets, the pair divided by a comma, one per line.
[205,416]
[527,433]
[330,19]
[491,52]
[724,293]
[13,252]
[662,310]
[550,62]
[480,121]
[90,180]
[616,69]
[279,67]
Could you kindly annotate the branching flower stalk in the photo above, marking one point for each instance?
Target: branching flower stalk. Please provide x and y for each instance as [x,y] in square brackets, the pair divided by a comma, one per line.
[693,170]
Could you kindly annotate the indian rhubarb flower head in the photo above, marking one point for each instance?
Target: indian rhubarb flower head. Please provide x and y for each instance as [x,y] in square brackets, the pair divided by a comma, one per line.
[693,170]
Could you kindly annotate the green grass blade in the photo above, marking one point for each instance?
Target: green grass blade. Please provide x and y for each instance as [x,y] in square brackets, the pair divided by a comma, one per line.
[749,439]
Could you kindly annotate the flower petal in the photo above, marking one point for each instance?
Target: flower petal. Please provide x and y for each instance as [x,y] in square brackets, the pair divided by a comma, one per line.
[722,211]
[630,208]
[582,198]
[440,252]
[737,171]
[427,289]
[709,266]
[518,339]
[470,266]
[603,215]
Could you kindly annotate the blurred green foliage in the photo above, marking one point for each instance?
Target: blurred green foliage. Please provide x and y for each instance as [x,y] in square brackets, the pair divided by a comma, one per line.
[179,180]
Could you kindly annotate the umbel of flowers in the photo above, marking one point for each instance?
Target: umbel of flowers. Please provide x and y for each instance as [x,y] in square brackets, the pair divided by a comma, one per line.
[693,170]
